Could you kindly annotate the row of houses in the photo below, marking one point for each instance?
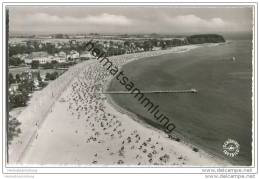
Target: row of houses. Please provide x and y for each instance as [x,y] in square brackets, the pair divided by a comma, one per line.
[113,47]
[61,57]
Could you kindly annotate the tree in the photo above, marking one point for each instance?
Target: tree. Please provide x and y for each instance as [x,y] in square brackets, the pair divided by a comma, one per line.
[50,48]
[54,75]
[154,42]
[47,65]
[127,43]
[148,45]
[47,76]
[54,62]
[35,64]
[15,61]
[41,83]
[163,44]
[13,130]
[26,86]
[17,78]
[10,78]
[58,36]
[51,76]
[18,99]
[39,78]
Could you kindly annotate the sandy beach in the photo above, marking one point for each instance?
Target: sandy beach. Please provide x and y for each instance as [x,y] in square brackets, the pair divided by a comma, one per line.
[68,124]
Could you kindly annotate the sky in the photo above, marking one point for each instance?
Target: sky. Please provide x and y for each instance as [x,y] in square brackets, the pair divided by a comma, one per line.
[129,19]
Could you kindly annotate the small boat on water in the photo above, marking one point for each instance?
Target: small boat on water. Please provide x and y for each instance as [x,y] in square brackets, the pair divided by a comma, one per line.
[233,58]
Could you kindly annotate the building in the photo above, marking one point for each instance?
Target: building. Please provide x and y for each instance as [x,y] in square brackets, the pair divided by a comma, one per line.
[42,57]
[44,60]
[28,60]
[86,56]
[156,48]
[60,57]
[73,56]
[62,54]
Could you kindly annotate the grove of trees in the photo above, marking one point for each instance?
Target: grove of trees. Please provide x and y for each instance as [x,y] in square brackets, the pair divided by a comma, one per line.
[13,129]
[14,61]
[51,76]
[35,64]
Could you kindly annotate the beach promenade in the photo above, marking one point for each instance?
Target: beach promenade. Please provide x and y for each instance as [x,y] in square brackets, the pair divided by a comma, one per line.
[69,123]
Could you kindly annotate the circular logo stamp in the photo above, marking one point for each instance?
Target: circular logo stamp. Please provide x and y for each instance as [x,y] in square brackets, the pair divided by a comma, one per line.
[231,148]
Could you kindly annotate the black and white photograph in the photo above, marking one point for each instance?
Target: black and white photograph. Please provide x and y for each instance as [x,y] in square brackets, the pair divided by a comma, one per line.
[129,85]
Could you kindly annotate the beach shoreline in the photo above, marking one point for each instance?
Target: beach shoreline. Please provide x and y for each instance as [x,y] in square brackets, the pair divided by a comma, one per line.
[175,135]
[41,103]
[91,129]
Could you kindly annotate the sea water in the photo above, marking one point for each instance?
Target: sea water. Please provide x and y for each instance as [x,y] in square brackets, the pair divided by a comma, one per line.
[222,108]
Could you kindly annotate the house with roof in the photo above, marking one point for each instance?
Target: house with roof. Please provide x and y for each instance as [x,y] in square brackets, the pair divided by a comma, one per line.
[86,55]
[42,57]
[73,56]
[60,57]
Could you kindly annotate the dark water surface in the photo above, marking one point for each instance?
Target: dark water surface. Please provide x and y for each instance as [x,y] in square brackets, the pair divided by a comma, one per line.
[222,108]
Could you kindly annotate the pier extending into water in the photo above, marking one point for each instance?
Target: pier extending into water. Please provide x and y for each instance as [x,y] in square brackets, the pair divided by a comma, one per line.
[149,92]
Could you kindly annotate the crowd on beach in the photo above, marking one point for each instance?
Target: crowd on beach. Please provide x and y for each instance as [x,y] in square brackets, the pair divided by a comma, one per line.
[118,140]
[87,103]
